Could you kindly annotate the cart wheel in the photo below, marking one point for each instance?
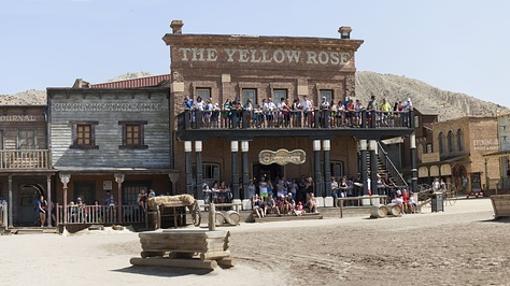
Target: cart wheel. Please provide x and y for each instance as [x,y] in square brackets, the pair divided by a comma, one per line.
[195,214]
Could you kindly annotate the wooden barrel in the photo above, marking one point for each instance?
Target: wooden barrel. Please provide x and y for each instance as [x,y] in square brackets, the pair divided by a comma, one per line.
[393,209]
[378,212]
[219,218]
[232,217]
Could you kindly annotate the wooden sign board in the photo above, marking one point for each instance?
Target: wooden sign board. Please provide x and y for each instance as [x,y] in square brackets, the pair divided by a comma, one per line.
[282,157]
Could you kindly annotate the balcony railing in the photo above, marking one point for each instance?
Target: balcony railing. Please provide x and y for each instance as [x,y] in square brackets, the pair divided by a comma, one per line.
[100,214]
[24,159]
[243,119]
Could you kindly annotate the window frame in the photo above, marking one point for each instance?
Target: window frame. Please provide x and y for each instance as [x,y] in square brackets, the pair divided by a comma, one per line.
[198,88]
[277,98]
[92,139]
[327,99]
[34,138]
[141,141]
[255,98]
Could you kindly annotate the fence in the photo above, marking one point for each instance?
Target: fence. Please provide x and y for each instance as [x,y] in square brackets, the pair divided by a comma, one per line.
[99,214]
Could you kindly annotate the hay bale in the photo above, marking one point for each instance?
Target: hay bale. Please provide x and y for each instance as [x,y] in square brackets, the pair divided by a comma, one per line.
[185,199]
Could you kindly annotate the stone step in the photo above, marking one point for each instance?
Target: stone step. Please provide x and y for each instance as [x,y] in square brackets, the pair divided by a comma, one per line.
[33,230]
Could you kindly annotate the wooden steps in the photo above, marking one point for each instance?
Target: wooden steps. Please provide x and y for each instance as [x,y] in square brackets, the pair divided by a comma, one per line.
[288,217]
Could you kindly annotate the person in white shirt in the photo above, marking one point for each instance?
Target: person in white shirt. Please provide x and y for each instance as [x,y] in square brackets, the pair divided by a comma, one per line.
[308,111]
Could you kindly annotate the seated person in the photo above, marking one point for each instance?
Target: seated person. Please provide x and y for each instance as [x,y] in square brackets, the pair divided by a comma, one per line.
[299,210]
[311,204]
[258,206]
[271,205]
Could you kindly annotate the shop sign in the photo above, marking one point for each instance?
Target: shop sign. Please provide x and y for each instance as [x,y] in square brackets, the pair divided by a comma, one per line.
[282,157]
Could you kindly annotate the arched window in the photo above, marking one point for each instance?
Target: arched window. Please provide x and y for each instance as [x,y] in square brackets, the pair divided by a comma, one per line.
[460,140]
[440,139]
[450,141]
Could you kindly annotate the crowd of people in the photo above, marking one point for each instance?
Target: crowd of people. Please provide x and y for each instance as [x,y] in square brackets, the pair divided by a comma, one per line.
[297,113]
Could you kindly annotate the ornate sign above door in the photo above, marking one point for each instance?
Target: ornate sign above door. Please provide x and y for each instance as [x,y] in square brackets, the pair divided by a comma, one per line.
[282,157]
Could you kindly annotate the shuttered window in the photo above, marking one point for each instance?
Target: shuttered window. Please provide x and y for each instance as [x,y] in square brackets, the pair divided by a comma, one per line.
[84,136]
[133,134]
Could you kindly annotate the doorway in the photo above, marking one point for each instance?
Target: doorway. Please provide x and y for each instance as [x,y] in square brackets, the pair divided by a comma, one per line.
[269,171]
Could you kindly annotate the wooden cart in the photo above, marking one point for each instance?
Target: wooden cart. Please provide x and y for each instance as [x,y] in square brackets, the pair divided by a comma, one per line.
[169,207]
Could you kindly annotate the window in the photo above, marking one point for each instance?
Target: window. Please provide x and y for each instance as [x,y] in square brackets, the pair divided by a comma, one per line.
[327,93]
[337,169]
[26,139]
[249,93]
[84,135]
[203,92]
[1,139]
[460,140]
[416,121]
[210,173]
[440,140]
[450,141]
[278,94]
[133,135]
[429,148]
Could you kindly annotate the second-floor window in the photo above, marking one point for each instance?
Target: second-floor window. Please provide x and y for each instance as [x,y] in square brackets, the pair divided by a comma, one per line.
[25,139]
[326,93]
[279,94]
[249,94]
[203,92]
[84,136]
[133,134]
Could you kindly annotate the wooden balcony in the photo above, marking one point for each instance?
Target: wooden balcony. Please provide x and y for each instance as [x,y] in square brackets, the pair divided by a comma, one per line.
[24,159]
[196,125]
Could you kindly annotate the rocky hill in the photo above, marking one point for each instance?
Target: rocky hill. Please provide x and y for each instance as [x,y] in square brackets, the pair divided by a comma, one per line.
[425,97]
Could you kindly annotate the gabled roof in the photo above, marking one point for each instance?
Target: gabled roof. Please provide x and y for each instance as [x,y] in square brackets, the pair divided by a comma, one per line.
[148,81]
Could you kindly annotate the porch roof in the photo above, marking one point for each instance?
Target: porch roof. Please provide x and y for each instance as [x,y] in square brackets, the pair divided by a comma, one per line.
[107,170]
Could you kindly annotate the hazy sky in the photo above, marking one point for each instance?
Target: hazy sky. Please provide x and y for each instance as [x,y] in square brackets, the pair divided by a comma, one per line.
[455,45]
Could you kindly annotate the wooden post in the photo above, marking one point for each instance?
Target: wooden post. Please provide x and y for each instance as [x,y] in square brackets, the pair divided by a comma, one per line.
[199,194]
[245,147]
[317,168]
[373,166]
[64,179]
[364,168]
[50,202]
[10,206]
[212,217]
[234,148]
[326,146]
[188,167]
[119,179]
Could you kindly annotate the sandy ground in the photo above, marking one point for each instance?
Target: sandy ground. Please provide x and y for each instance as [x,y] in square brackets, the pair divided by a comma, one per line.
[462,246]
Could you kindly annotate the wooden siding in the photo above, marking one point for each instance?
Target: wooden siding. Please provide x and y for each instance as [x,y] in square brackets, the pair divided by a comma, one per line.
[15,118]
[108,108]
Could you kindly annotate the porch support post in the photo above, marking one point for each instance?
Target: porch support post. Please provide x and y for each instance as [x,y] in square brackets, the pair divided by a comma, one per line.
[373,166]
[364,167]
[234,147]
[198,157]
[317,168]
[326,146]
[119,179]
[245,147]
[10,201]
[48,197]
[64,179]
[187,167]
[414,168]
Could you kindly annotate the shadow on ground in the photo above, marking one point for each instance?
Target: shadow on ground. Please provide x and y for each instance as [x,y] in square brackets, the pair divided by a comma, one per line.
[162,271]
[494,220]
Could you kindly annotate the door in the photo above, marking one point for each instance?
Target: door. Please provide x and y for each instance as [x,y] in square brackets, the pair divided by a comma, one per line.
[130,191]
[269,171]
[86,190]
[26,214]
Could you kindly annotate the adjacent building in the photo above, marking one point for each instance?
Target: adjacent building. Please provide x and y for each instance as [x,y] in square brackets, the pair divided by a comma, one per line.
[458,150]
[109,141]
[25,168]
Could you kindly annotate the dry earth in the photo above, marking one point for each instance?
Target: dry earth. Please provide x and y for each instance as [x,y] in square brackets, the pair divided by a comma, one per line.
[460,247]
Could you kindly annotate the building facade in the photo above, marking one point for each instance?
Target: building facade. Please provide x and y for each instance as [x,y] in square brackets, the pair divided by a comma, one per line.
[458,149]
[108,141]
[234,147]
[25,169]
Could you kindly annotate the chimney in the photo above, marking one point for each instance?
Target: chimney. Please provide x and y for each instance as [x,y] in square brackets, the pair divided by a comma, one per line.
[345,32]
[176,26]
[80,83]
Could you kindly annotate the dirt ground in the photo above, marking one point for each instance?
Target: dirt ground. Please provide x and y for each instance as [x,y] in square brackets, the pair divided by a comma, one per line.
[462,246]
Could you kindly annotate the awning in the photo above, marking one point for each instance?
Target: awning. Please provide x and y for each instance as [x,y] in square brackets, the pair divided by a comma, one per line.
[434,171]
[446,170]
[423,172]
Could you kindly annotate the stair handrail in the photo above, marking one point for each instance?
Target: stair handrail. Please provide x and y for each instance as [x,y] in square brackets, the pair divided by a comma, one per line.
[388,163]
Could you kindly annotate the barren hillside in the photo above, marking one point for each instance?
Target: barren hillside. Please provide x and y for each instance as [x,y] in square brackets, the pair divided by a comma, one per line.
[425,97]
